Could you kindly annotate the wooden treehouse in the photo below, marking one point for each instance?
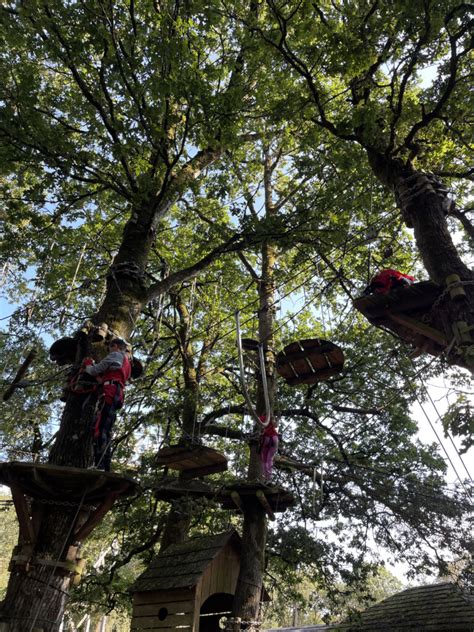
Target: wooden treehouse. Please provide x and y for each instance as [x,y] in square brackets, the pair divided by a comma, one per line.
[189,586]
[309,361]
[88,494]
[411,314]
[192,459]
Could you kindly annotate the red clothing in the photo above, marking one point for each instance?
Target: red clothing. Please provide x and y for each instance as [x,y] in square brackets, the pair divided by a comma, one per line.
[112,372]
[389,279]
[268,446]
[270,430]
[121,375]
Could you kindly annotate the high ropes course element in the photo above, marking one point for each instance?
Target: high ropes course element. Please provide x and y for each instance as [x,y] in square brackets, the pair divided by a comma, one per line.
[413,314]
[90,493]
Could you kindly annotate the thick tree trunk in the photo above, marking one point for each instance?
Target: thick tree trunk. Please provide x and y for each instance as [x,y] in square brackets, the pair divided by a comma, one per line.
[36,594]
[252,565]
[35,597]
[424,208]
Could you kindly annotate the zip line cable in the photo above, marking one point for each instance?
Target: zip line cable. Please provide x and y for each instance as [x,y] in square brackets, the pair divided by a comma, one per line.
[447,431]
[352,476]
[407,381]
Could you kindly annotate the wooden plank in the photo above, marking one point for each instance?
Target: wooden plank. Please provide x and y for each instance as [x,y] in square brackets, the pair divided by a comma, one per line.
[163,596]
[172,621]
[264,502]
[176,607]
[419,327]
[96,517]
[27,532]
[310,352]
[312,378]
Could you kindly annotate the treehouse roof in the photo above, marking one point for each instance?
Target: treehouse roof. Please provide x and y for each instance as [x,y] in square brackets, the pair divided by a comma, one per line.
[181,565]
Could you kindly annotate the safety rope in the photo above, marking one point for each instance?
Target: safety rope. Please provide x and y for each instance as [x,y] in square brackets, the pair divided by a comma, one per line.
[413,390]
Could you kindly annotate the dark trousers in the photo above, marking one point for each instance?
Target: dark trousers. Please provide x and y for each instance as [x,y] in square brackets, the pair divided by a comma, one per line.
[112,401]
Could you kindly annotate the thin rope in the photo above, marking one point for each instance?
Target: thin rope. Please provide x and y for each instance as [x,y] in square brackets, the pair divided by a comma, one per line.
[448,434]
[413,390]
[48,584]
[71,285]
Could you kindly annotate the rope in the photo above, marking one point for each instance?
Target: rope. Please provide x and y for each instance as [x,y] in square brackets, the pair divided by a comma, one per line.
[248,401]
[448,434]
[68,296]
[57,561]
[413,390]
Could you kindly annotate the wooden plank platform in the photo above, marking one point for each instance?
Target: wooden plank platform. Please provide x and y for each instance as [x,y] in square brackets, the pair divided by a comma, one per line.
[55,482]
[173,488]
[278,499]
[404,312]
[192,460]
[309,361]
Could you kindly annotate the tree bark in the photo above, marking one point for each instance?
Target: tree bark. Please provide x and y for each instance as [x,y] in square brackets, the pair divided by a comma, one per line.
[252,564]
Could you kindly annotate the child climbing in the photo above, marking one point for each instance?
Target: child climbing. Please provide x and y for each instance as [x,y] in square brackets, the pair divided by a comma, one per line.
[268,445]
[112,372]
[387,280]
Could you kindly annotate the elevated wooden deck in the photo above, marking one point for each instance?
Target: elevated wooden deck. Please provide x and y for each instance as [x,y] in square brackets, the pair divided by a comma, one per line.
[309,361]
[193,460]
[408,312]
[43,481]
[272,497]
[172,488]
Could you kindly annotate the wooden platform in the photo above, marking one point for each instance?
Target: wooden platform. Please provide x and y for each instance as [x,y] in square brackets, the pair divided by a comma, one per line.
[235,495]
[404,311]
[192,460]
[54,482]
[88,494]
[172,488]
[309,361]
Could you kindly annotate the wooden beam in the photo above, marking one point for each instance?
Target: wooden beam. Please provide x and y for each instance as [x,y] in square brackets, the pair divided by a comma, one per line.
[265,504]
[95,517]
[40,481]
[27,532]
[419,327]
[237,499]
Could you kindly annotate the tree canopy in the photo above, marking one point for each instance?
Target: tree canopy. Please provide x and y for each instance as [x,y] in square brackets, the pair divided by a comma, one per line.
[163,164]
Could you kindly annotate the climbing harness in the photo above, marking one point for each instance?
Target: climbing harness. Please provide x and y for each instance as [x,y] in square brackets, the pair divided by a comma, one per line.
[80,382]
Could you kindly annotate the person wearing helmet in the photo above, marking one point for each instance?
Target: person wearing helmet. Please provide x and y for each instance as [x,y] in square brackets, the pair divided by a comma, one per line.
[112,373]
